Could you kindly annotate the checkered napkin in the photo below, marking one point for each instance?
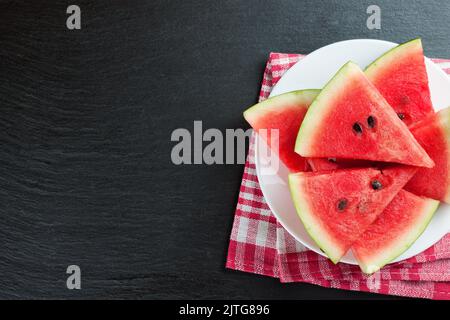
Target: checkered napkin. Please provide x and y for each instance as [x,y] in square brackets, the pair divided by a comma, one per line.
[259,244]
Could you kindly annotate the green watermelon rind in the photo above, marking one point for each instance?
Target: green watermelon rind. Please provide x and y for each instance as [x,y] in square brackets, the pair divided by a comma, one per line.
[312,226]
[389,255]
[314,114]
[393,54]
[300,97]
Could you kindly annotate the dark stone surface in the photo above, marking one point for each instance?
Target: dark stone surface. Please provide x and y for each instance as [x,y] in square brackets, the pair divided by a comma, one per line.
[86,118]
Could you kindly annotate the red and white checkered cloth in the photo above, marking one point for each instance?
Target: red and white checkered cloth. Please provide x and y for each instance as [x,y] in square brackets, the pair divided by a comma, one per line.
[259,244]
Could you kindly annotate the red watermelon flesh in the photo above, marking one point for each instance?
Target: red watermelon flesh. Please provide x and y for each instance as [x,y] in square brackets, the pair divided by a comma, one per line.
[336,207]
[401,77]
[350,119]
[394,231]
[285,113]
[433,134]
[328,164]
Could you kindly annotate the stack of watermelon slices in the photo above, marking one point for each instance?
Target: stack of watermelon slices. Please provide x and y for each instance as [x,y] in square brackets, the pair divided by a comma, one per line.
[369,158]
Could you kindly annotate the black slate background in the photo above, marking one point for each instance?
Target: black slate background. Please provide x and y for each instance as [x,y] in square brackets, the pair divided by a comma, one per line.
[85,124]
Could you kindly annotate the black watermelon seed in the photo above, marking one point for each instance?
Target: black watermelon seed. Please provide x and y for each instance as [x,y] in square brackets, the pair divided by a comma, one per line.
[342,204]
[371,121]
[401,116]
[357,128]
[376,185]
[333,160]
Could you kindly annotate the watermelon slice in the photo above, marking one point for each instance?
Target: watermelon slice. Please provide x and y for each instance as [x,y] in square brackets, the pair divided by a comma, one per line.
[401,77]
[394,231]
[350,119]
[336,207]
[285,113]
[433,133]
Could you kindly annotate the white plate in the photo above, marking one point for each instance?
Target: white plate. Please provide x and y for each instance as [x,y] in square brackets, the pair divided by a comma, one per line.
[313,72]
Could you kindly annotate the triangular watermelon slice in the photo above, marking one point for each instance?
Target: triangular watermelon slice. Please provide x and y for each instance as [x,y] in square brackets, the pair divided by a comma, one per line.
[351,119]
[433,133]
[285,113]
[336,207]
[394,231]
[401,77]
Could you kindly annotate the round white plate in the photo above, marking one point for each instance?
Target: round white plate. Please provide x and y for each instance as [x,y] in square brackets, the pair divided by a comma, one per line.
[313,72]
